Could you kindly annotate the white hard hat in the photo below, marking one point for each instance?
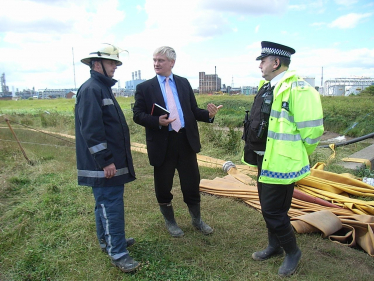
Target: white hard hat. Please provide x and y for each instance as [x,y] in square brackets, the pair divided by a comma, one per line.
[104,51]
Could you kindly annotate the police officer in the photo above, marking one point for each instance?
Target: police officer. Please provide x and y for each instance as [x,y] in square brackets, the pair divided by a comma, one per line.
[104,160]
[283,128]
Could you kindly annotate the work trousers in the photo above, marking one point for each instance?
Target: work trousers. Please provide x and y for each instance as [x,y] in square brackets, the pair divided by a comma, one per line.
[110,219]
[275,200]
[180,156]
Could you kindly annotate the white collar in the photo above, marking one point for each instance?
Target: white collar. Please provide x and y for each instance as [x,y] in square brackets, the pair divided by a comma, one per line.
[277,78]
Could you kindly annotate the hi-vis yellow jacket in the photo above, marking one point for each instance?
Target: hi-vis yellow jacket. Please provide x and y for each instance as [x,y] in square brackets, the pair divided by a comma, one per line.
[295,128]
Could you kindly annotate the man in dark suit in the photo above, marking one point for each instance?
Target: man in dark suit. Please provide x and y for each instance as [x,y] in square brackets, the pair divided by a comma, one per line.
[173,141]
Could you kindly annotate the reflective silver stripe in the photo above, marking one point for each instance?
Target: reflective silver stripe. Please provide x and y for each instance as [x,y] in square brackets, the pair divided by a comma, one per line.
[283,114]
[312,141]
[109,235]
[100,174]
[300,83]
[107,102]
[285,137]
[290,137]
[97,148]
[110,246]
[308,124]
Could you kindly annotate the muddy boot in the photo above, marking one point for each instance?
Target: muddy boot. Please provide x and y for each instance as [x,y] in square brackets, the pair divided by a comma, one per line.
[126,263]
[168,213]
[197,221]
[287,241]
[273,249]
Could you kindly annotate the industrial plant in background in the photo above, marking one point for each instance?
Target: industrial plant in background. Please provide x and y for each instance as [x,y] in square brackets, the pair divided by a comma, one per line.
[211,84]
[4,87]
[208,84]
[131,85]
[346,86]
[5,94]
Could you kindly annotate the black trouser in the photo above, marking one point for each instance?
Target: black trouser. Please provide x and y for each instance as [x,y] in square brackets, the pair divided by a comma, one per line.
[275,200]
[180,156]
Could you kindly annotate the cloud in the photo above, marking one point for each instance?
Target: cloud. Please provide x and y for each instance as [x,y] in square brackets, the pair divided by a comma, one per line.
[335,62]
[346,2]
[246,7]
[315,7]
[36,48]
[200,20]
[297,7]
[43,18]
[64,18]
[349,21]
[45,25]
[57,26]
[184,20]
[38,45]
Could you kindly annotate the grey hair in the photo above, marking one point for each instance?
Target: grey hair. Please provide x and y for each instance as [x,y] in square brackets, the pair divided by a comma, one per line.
[92,62]
[167,51]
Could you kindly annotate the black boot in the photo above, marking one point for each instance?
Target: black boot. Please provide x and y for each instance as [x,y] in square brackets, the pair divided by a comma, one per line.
[273,249]
[126,263]
[287,241]
[168,213]
[197,221]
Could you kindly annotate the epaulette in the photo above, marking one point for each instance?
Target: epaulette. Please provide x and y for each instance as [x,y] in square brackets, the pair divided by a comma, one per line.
[300,84]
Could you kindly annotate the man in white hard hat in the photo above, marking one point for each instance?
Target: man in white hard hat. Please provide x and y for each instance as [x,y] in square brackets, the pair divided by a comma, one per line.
[104,160]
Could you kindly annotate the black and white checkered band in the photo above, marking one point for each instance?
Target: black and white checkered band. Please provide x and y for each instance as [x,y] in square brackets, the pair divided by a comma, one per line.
[276,52]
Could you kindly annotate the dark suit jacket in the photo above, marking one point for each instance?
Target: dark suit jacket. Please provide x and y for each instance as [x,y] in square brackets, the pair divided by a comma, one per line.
[148,93]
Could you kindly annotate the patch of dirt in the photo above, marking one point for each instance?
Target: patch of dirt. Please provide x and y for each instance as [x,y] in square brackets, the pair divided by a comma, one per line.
[336,138]
[327,135]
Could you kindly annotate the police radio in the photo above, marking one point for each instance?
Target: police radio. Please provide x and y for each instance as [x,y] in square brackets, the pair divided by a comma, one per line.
[265,113]
[266,104]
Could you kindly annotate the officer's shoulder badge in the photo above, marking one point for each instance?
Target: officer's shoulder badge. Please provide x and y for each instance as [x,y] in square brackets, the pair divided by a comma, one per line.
[300,84]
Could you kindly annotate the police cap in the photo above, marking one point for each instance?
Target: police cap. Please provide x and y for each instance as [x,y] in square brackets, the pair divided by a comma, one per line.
[274,49]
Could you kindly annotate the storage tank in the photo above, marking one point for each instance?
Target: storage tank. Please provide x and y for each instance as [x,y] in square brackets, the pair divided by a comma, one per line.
[339,90]
[354,90]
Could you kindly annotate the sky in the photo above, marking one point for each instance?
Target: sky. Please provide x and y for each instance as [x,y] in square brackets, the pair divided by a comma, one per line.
[43,41]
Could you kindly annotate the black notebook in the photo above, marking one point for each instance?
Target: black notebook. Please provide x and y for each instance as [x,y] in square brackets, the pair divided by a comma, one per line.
[158,110]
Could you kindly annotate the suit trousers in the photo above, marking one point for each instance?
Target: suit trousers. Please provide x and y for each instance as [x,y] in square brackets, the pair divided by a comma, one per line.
[179,156]
[275,200]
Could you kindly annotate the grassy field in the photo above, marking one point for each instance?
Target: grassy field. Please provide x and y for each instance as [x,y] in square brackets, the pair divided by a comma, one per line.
[47,228]
[351,116]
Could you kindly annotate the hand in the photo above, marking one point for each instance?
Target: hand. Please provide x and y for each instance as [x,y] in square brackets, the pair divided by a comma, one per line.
[110,171]
[213,109]
[164,121]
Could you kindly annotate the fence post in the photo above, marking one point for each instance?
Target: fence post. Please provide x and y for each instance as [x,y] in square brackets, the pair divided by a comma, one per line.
[20,146]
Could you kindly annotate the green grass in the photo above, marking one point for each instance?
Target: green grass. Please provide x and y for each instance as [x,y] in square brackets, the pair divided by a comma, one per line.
[47,227]
[351,116]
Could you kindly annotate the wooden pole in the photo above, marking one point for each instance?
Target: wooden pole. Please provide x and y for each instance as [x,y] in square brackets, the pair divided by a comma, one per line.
[20,146]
